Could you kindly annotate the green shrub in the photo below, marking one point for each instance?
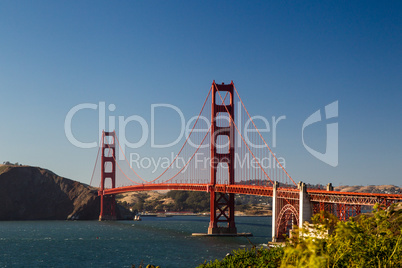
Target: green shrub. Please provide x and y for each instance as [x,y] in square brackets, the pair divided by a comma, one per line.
[249,258]
[365,241]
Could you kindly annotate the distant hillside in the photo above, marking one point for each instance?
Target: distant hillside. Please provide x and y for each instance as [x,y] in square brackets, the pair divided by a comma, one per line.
[33,193]
[384,189]
[187,201]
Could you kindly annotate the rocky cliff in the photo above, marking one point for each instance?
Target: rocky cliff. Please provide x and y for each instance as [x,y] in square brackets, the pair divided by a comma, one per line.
[32,193]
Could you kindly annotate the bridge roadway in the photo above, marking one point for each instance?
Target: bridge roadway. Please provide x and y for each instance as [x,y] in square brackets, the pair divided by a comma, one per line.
[321,196]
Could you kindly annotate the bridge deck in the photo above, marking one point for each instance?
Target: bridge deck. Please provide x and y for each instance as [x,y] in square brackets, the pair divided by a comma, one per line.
[321,196]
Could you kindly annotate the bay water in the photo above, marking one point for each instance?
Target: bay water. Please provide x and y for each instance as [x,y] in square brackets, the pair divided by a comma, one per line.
[166,242]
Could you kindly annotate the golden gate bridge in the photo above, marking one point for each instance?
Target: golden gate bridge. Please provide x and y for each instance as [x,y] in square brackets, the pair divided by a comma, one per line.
[224,157]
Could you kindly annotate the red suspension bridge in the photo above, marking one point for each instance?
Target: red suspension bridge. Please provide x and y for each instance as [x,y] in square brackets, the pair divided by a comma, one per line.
[225,154]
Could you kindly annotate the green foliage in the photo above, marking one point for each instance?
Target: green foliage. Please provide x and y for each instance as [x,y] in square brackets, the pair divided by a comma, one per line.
[179,198]
[325,219]
[249,258]
[367,241]
[186,200]
[307,252]
[139,206]
[374,241]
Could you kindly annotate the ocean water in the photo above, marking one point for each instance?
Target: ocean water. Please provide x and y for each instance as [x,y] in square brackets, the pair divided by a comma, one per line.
[159,241]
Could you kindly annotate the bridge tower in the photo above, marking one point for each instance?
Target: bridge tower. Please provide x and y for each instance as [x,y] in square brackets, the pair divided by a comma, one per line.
[222,204]
[108,172]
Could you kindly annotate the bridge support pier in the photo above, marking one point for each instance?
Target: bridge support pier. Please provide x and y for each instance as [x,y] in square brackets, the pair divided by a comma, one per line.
[330,187]
[289,208]
[305,206]
[274,210]
[224,205]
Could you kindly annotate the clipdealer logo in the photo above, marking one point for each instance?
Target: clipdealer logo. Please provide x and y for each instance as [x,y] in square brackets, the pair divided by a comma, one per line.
[330,156]
[147,131]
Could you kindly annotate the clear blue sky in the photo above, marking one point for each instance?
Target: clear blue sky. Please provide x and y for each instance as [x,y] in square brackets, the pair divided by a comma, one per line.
[285,58]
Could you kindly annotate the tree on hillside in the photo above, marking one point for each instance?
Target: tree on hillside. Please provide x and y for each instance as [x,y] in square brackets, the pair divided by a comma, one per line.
[198,201]
[185,200]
